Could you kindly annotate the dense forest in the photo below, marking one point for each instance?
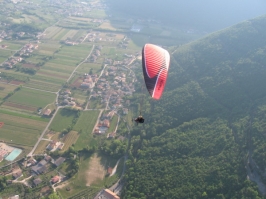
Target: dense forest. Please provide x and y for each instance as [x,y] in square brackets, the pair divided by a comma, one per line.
[204,15]
[205,138]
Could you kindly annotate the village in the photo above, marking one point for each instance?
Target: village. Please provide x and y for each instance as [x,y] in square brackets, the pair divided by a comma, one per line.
[107,90]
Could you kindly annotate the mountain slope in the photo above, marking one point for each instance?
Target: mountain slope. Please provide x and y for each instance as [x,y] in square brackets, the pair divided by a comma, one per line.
[205,133]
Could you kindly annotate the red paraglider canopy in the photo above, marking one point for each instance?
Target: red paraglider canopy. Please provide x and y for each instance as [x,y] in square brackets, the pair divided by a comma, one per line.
[155,65]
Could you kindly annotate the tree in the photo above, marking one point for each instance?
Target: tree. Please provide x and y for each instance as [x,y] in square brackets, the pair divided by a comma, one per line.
[53,196]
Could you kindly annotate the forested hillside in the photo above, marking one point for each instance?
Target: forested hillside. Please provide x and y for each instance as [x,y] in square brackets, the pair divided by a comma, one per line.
[207,133]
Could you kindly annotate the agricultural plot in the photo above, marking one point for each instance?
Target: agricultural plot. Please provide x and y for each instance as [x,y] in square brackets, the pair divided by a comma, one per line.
[14,75]
[13,45]
[95,104]
[47,86]
[113,124]
[62,120]
[62,77]
[85,125]
[5,89]
[64,60]
[69,35]
[48,79]
[80,96]
[35,58]
[74,24]
[51,31]
[97,14]
[58,36]
[87,66]
[78,183]
[77,52]
[41,148]
[79,34]
[80,19]
[62,68]
[107,26]
[5,54]
[28,98]
[48,48]
[22,131]
[70,139]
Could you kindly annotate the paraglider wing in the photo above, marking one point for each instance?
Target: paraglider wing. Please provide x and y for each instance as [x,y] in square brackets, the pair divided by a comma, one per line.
[155,65]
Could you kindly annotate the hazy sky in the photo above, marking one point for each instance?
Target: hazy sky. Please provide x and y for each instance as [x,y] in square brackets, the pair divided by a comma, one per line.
[209,15]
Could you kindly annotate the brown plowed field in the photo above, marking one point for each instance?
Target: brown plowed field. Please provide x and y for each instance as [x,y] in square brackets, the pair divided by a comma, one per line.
[20,106]
[29,66]
[77,83]
[16,82]
[53,75]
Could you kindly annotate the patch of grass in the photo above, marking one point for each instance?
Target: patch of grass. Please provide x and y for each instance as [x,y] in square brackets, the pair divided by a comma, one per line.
[63,119]
[27,116]
[85,126]
[41,148]
[5,89]
[113,124]
[31,97]
[48,86]
[78,182]
[85,67]
[20,131]
[70,139]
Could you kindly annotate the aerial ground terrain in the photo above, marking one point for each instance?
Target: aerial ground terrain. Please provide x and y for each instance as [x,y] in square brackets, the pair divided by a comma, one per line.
[71,82]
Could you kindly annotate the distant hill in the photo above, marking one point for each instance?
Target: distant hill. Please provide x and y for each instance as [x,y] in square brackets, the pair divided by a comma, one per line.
[204,15]
[208,131]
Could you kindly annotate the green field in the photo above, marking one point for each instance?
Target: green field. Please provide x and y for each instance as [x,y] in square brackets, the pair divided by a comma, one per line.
[47,48]
[86,66]
[76,52]
[62,120]
[85,125]
[13,75]
[41,148]
[78,182]
[60,34]
[5,89]
[79,95]
[21,130]
[97,13]
[70,139]
[31,97]
[57,67]
[48,86]
[13,45]
[4,54]
[53,74]
[51,31]
[69,35]
[113,124]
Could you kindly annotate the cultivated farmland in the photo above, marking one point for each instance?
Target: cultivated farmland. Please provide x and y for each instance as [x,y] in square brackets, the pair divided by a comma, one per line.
[41,147]
[48,86]
[85,126]
[85,67]
[47,48]
[63,119]
[5,89]
[30,98]
[70,139]
[4,54]
[22,131]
